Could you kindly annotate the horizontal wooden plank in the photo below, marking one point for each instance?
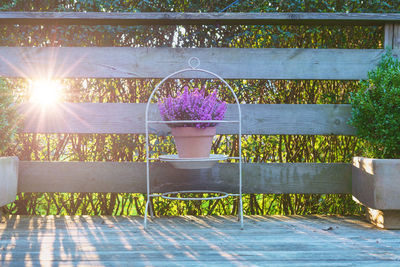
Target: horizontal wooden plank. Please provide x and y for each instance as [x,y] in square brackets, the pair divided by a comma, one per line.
[157,18]
[229,63]
[131,177]
[125,118]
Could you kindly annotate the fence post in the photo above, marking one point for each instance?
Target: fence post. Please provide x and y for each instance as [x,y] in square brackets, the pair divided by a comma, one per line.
[392,36]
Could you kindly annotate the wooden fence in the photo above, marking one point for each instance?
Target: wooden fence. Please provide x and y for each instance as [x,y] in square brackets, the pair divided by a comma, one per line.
[230,63]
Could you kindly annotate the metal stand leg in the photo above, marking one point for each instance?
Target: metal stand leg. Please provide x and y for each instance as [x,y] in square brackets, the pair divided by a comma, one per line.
[241,212]
[238,209]
[151,209]
[145,213]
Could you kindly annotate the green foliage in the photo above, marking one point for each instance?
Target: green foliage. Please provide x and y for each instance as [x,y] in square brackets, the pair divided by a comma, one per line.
[8,116]
[376,109]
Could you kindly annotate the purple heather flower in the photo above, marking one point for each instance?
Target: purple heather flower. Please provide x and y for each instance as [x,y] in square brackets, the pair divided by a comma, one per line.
[193,105]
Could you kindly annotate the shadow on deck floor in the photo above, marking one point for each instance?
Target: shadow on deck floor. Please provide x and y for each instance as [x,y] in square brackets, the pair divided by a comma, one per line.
[196,241]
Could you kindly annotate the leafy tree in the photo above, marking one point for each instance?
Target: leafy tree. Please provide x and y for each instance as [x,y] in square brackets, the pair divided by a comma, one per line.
[8,116]
[376,109]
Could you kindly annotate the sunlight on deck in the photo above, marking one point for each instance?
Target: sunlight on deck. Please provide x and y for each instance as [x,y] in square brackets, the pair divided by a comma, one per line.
[276,240]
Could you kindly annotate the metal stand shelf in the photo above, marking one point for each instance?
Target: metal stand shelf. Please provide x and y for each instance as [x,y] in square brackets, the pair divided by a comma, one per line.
[193,63]
[223,195]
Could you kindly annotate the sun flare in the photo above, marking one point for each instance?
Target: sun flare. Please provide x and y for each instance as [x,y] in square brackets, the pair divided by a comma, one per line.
[45,92]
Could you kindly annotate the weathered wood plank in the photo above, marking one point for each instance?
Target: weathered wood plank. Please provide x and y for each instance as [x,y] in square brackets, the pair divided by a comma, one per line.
[302,246]
[8,180]
[216,263]
[386,219]
[396,36]
[230,63]
[350,225]
[207,257]
[131,177]
[392,36]
[388,43]
[270,18]
[195,241]
[124,118]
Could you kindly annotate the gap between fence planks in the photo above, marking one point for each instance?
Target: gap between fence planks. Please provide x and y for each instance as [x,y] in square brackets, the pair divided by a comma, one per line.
[129,118]
[120,177]
[229,63]
[174,18]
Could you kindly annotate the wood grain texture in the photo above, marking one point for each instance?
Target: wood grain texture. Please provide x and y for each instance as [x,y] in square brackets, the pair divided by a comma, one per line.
[388,43]
[392,36]
[386,219]
[125,118]
[131,177]
[229,63]
[120,18]
[396,36]
[195,241]
[8,180]
[374,183]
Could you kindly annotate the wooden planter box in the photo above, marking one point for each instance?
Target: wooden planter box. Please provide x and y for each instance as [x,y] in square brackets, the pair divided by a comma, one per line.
[376,185]
[8,179]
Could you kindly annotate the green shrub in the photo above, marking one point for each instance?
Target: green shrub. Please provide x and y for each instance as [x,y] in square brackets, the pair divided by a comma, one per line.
[376,109]
[8,116]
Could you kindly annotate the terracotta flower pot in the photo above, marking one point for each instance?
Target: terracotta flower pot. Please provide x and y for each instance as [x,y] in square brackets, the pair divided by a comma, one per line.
[192,142]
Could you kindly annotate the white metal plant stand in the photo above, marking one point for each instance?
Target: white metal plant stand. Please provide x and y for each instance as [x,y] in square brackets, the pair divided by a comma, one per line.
[193,63]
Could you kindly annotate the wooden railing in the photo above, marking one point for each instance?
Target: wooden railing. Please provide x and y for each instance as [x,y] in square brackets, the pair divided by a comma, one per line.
[230,63]
[95,18]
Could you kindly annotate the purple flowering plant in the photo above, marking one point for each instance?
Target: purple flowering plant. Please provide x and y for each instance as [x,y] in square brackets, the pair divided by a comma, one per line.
[192,105]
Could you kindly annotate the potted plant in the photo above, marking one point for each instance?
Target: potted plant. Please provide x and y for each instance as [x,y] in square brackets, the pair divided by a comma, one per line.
[8,128]
[376,117]
[193,140]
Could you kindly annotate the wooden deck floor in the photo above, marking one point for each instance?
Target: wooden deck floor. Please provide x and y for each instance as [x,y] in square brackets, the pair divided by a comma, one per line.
[196,241]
